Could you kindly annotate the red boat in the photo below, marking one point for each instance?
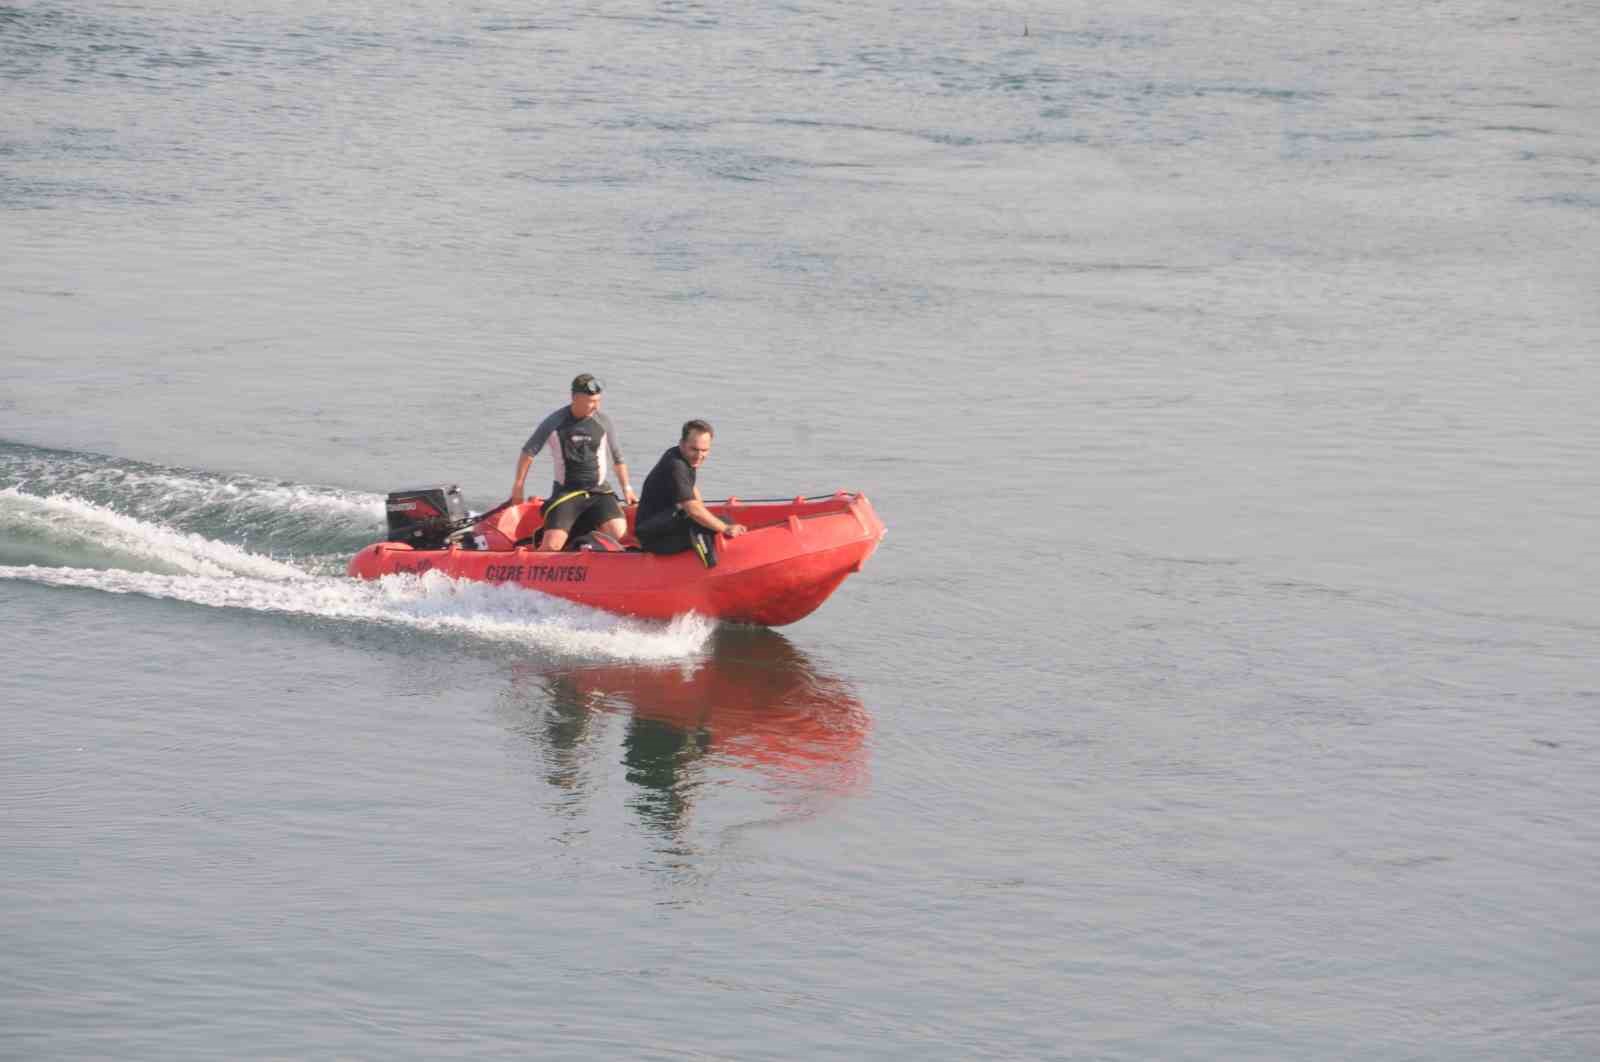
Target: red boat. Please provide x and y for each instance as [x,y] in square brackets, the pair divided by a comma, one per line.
[795,554]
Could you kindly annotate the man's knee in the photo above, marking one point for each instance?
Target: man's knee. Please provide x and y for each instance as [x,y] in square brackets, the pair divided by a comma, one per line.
[553,541]
[616,527]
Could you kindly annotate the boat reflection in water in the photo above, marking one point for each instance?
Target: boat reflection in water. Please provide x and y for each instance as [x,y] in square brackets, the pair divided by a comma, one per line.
[751,700]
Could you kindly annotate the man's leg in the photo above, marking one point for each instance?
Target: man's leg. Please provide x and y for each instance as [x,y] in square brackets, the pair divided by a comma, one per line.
[705,544]
[666,535]
[608,517]
[559,520]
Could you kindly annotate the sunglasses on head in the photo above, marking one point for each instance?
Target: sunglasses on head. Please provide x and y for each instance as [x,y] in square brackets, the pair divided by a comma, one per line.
[588,387]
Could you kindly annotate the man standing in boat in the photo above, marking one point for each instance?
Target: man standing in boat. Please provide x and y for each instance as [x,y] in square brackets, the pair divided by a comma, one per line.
[672,516]
[584,447]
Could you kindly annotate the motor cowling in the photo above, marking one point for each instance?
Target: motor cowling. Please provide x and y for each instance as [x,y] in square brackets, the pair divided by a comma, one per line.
[425,517]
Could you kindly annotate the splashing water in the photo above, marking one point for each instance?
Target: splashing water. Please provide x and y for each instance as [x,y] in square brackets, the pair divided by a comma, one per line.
[73,525]
[431,603]
[62,539]
[305,518]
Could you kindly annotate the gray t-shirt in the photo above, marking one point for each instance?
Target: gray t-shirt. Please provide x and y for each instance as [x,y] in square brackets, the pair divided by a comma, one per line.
[584,450]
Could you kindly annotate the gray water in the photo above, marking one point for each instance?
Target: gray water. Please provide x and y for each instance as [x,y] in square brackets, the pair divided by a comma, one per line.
[1225,687]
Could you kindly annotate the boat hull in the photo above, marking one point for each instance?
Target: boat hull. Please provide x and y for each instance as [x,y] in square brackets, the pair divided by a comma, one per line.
[792,559]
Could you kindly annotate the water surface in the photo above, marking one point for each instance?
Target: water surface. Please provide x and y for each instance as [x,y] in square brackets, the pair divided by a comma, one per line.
[1225,687]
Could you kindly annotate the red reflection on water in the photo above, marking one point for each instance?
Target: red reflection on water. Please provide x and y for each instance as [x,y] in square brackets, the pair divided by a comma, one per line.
[754,699]
[750,700]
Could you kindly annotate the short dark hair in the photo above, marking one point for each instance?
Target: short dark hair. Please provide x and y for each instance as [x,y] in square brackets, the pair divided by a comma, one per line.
[695,427]
[585,384]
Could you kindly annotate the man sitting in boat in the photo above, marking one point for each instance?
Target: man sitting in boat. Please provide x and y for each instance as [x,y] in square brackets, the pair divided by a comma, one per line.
[672,516]
[584,447]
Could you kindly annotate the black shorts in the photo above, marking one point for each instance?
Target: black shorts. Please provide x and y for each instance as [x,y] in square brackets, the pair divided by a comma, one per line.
[580,511]
[677,533]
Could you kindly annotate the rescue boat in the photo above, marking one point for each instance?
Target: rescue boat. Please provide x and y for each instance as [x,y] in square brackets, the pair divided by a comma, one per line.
[793,557]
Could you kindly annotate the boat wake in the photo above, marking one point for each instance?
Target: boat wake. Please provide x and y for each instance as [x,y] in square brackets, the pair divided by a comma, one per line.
[74,521]
[431,603]
[65,528]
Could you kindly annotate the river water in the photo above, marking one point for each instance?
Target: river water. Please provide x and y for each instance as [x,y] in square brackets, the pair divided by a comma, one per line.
[1226,686]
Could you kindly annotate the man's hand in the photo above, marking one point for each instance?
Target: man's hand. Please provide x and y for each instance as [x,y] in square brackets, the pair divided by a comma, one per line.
[627,492]
[524,462]
[734,530]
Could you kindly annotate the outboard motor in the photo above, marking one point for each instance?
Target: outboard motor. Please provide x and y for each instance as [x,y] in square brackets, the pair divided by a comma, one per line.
[424,518]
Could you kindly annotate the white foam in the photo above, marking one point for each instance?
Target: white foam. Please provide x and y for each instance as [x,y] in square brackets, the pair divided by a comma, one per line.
[71,519]
[171,490]
[202,571]
[287,497]
[431,602]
